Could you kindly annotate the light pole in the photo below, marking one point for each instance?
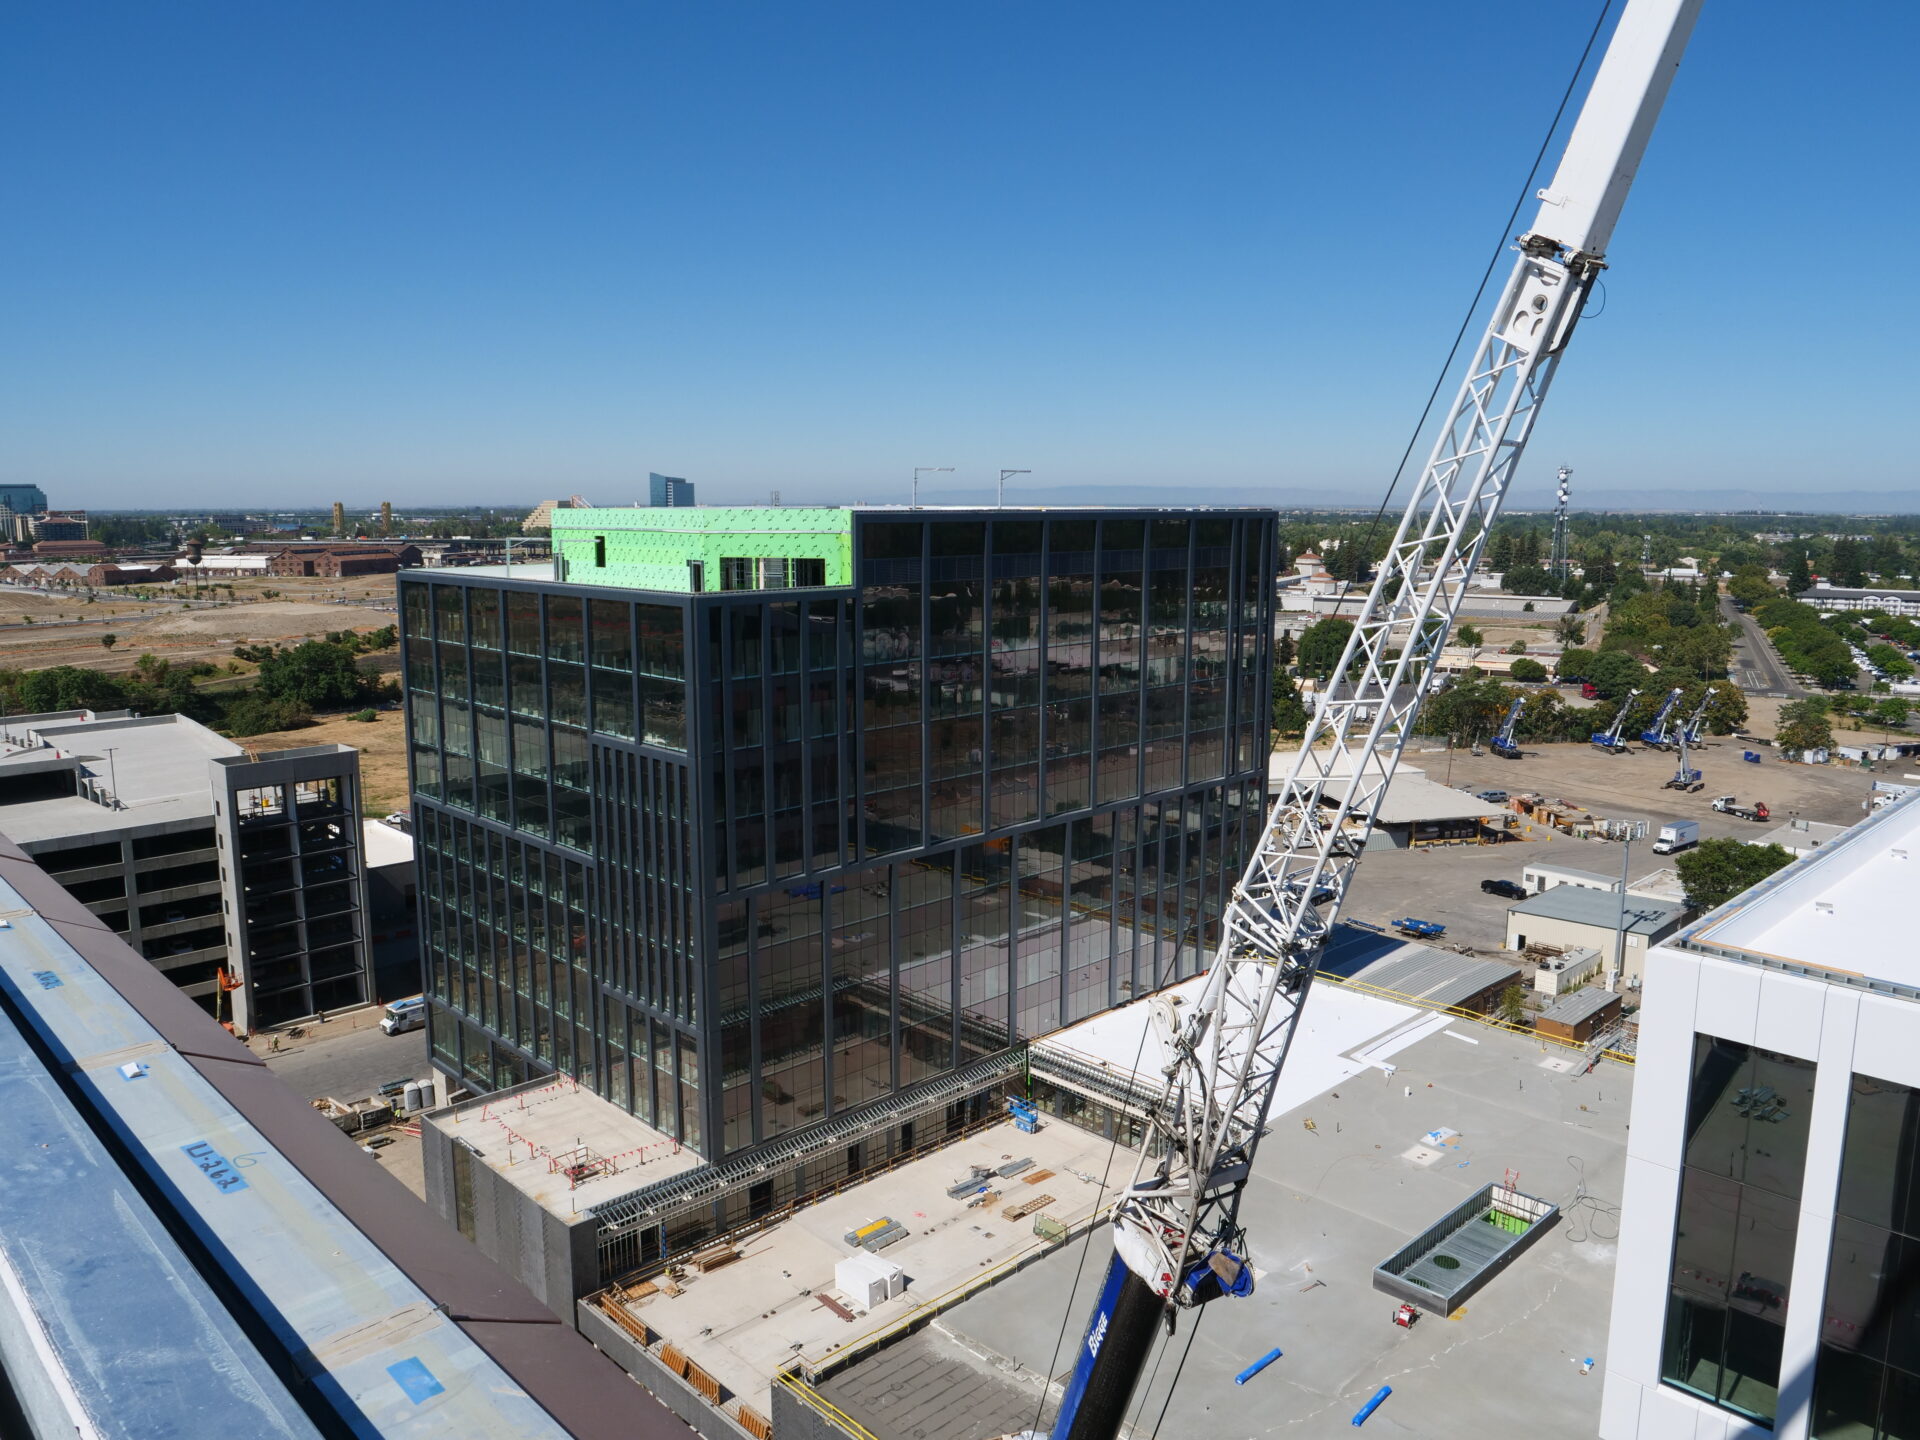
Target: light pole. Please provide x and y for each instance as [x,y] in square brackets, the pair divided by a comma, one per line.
[1617,972]
[1000,491]
[920,470]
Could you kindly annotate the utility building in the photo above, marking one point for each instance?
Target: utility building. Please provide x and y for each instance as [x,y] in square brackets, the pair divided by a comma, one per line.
[1572,916]
[768,819]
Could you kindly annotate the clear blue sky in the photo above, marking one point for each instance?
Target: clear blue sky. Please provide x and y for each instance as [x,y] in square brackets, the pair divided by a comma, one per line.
[268,254]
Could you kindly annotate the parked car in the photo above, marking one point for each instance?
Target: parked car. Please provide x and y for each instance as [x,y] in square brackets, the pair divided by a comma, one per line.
[1492,797]
[1505,889]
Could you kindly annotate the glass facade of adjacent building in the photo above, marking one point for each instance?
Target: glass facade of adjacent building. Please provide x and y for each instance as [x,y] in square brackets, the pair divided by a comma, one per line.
[742,861]
[1746,1153]
[1866,1381]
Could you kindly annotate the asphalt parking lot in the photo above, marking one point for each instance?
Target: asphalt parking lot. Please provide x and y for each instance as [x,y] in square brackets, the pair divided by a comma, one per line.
[1443,882]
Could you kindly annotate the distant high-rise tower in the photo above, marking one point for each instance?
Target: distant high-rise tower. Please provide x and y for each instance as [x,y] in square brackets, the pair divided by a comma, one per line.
[1558,566]
[668,490]
[386,517]
[339,518]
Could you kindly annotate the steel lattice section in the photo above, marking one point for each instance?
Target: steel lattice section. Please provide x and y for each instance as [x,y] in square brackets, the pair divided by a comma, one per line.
[1184,1199]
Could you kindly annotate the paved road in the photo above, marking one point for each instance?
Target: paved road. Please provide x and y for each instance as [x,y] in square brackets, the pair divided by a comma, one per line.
[1755,667]
[353,1064]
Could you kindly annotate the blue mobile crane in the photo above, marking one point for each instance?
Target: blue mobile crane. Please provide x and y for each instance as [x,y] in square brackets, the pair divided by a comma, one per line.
[1656,733]
[1609,739]
[1502,744]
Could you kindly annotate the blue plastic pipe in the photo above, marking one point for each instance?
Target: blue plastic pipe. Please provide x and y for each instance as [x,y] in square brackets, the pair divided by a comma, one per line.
[1372,1405]
[1256,1367]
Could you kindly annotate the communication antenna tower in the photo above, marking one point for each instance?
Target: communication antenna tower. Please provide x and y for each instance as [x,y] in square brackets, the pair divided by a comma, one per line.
[1558,567]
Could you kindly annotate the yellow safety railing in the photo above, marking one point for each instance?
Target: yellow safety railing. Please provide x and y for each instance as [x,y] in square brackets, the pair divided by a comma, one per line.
[925,1310]
[823,1407]
[1492,1021]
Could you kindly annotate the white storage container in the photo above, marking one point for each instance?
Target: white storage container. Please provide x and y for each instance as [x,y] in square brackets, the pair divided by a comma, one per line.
[868,1281]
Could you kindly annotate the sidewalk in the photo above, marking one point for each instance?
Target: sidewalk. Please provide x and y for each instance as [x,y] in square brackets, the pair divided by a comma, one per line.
[281,1040]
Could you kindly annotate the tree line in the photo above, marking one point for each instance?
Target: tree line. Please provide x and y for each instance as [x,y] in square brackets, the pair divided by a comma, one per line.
[291,686]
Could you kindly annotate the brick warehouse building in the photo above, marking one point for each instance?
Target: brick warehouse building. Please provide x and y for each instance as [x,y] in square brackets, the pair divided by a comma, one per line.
[751,818]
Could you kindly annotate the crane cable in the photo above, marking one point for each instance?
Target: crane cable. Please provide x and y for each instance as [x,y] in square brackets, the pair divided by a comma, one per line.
[1086,1242]
[1473,307]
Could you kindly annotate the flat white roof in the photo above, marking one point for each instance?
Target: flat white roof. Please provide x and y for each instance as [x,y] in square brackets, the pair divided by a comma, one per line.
[1549,867]
[1801,834]
[383,844]
[1846,907]
[1411,797]
[156,767]
[1342,1032]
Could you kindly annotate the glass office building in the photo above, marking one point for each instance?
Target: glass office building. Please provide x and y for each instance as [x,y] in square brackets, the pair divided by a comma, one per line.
[764,817]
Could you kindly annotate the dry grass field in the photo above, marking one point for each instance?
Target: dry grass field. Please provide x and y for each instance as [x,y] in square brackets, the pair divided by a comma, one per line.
[382,743]
[38,631]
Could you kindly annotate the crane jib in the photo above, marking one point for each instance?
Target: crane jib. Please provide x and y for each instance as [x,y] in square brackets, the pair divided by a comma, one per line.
[1175,1220]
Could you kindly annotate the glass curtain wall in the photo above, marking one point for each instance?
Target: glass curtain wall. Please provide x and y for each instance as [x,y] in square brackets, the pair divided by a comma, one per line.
[1866,1381]
[511,696]
[1745,1159]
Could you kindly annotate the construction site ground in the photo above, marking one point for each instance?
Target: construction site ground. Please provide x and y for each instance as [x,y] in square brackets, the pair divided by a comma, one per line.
[381,741]
[756,1315]
[40,629]
[1442,882]
[1324,1207]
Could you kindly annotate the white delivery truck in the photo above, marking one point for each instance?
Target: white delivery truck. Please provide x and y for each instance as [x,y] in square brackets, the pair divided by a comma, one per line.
[404,1015]
[1677,835]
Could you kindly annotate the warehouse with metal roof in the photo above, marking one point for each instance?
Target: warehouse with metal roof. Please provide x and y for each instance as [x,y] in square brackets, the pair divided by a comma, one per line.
[1439,978]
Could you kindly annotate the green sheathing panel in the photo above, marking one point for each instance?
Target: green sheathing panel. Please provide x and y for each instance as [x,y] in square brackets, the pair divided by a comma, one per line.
[648,549]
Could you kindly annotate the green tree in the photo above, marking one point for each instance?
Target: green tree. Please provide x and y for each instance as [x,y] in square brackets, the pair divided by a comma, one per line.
[1527,580]
[1601,573]
[1570,630]
[1804,725]
[1528,671]
[1889,659]
[1513,1005]
[318,675]
[1289,712]
[1572,664]
[1322,644]
[1726,707]
[1469,635]
[107,642]
[1466,712]
[1847,569]
[1799,574]
[1892,711]
[1715,871]
[1750,586]
[1283,650]
[1614,672]
[68,687]
[252,713]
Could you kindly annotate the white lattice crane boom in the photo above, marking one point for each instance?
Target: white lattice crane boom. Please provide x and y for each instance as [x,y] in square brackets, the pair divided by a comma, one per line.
[1176,1234]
